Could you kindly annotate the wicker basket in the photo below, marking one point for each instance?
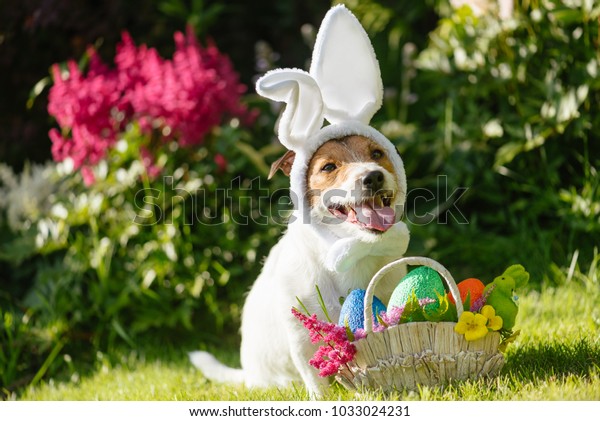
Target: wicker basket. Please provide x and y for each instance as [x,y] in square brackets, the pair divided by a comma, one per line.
[418,353]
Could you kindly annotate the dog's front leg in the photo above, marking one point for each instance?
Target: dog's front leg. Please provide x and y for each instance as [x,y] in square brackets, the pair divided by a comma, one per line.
[302,351]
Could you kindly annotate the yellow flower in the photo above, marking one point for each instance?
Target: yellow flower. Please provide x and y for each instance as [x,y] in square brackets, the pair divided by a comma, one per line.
[473,326]
[494,322]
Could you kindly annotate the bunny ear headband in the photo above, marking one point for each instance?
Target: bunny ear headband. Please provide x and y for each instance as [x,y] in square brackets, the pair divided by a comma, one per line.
[343,86]
[344,83]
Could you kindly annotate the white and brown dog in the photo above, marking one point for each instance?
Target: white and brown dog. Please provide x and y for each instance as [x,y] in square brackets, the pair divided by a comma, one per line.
[348,185]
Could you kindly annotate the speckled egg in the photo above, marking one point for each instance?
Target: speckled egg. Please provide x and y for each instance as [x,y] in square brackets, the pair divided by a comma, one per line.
[425,282]
[352,313]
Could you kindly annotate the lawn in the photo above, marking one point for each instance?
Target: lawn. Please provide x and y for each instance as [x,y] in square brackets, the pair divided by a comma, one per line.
[556,357]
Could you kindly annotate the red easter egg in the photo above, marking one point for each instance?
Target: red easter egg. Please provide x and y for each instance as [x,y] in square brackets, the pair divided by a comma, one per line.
[471,285]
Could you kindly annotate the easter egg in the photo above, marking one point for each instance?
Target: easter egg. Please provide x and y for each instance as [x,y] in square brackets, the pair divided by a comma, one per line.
[352,313]
[424,281]
[472,286]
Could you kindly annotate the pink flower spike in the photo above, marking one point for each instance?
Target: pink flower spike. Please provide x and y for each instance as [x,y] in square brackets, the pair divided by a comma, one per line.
[337,350]
[180,99]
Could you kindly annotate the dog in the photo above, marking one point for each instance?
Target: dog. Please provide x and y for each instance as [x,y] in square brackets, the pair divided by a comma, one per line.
[355,193]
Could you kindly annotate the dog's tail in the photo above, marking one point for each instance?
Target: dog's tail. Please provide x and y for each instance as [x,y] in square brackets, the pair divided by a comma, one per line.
[215,370]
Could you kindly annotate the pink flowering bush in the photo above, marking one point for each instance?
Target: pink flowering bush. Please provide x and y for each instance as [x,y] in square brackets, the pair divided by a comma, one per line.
[146,246]
[181,99]
[337,350]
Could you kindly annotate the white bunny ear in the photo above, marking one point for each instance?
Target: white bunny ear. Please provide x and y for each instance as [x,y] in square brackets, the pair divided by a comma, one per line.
[303,115]
[346,69]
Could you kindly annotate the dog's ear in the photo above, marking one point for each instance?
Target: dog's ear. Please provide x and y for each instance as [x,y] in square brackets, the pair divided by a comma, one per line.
[284,164]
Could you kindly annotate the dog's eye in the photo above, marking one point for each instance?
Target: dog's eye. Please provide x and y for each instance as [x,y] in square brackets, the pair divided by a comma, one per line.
[328,167]
[377,154]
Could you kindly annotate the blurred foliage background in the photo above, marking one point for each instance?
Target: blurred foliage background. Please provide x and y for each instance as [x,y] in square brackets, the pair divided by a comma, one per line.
[494,110]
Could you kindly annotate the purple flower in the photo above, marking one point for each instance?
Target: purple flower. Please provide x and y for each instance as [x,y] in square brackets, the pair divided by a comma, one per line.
[392,316]
[480,302]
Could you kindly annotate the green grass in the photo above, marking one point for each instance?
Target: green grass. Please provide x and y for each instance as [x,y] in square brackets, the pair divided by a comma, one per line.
[556,357]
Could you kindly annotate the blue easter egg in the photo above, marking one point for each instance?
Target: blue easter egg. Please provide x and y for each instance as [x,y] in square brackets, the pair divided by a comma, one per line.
[352,313]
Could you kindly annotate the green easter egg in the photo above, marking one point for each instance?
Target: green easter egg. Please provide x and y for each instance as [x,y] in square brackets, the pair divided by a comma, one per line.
[424,281]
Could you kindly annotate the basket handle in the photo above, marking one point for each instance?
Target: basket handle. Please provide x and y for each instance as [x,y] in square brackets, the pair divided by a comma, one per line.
[413,260]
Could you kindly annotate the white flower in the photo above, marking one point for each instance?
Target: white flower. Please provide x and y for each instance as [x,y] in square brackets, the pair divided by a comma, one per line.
[59,211]
[27,196]
[461,58]
[149,277]
[96,203]
[101,170]
[504,8]
[592,68]
[7,181]
[536,15]
[66,166]
[504,71]
[169,250]
[99,253]
[548,110]
[493,128]
[567,107]
[121,145]
[122,176]
[49,230]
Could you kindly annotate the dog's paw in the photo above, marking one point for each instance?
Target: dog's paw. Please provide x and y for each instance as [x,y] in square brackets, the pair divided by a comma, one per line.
[344,254]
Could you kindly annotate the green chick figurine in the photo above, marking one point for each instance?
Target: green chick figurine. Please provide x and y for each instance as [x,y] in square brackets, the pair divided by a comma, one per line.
[502,296]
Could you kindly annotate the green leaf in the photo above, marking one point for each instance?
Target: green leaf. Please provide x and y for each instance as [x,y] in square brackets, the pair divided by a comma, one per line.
[507,153]
[322,304]
[37,90]
[451,315]
[48,362]
[508,336]
[253,156]
[121,332]
[380,321]
[567,16]
[303,306]
[467,303]
[412,310]
[175,8]
[349,332]
[439,314]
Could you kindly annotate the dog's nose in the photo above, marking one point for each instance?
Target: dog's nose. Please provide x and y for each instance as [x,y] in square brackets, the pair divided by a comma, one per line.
[373,181]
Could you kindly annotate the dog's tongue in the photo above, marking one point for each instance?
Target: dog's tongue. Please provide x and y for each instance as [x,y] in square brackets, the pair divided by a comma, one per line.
[380,219]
